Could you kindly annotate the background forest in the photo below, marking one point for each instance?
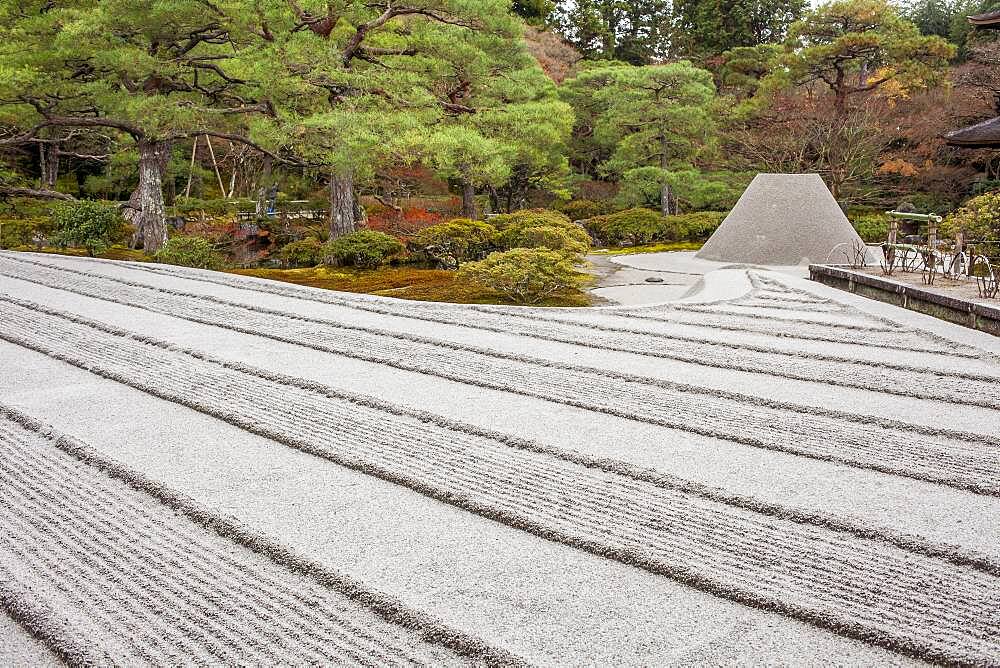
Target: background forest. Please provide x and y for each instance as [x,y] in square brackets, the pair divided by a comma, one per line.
[358,133]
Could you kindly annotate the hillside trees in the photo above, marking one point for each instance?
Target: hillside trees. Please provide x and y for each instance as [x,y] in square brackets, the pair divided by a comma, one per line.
[148,72]
[855,47]
[825,103]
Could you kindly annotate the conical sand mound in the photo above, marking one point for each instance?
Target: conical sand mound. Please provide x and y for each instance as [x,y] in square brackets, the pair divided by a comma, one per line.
[784,219]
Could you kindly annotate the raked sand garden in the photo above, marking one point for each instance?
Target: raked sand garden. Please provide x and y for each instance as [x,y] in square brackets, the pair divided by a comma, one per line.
[198,467]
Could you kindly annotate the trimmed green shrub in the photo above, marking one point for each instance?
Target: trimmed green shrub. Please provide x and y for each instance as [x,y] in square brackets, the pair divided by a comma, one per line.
[87,224]
[365,248]
[527,233]
[535,217]
[872,228]
[631,227]
[454,242]
[526,275]
[979,217]
[190,252]
[581,209]
[18,232]
[695,226]
[306,252]
[634,227]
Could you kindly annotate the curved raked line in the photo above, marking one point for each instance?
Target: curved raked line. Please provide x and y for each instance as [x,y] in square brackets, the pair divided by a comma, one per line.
[936,609]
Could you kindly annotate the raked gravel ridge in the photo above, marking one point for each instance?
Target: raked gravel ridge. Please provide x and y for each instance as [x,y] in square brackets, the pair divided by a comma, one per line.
[201,468]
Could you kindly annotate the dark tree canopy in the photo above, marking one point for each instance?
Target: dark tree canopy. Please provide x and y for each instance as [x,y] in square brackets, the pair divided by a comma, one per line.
[636,32]
[705,28]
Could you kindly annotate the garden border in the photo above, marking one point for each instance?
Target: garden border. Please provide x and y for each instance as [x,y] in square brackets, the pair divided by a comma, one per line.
[982,317]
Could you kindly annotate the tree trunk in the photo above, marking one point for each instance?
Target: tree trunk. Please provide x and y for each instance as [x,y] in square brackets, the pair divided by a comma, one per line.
[145,207]
[343,205]
[468,200]
[48,156]
[664,186]
[265,187]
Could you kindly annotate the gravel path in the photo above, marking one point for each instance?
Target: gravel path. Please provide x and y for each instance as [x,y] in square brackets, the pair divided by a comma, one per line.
[859,578]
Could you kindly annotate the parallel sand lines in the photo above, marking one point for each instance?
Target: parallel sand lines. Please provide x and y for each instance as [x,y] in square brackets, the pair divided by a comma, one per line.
[980,387]
[866,588]
[868,331]
[966,461]
[132,579]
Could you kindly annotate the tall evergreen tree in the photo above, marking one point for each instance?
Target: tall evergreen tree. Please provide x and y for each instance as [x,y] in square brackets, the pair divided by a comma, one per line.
[636,31]
[150,72]
[658,120]
[706,28]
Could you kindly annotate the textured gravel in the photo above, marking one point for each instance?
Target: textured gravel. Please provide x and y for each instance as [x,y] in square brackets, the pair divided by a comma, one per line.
[850,570]
[784,219]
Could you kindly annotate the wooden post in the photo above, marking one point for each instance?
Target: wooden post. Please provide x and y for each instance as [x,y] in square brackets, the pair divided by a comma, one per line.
[893,231]
[211,151]
[932,234]
[194,149]
[960,246]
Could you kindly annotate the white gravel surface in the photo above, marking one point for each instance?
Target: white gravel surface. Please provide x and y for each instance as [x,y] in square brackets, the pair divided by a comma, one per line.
[767,475]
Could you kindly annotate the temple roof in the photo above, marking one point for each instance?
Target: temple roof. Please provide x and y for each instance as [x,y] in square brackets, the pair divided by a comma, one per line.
[989,20]
[980,135]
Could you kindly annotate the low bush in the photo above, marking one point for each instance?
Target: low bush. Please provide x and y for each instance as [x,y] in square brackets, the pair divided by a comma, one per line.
[365,248]
[631,227]
[190,252]
[454,242]
[635,227]
[581,209]
[534,217]
[526,275]
[695,226]
[86,224]
[566,237]
[979,218]
[306,252]
[18,232]
[872,228]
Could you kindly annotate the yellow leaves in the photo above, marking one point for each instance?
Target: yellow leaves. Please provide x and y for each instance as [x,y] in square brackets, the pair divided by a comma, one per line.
[891,89]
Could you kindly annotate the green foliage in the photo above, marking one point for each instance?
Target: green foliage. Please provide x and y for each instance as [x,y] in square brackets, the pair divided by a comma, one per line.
[306,252]
[190,252]
[635,227]
[628,228]
[569,238]
[87,224]
[744,67]
[454,242]
[530,216]
[979,218]
[534,228]
[652,123]
[19,232]
[856,46]
[581,209]
[705,28]
[696,226]
[526,275]
[637,32]
[365,248]
[871,227]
